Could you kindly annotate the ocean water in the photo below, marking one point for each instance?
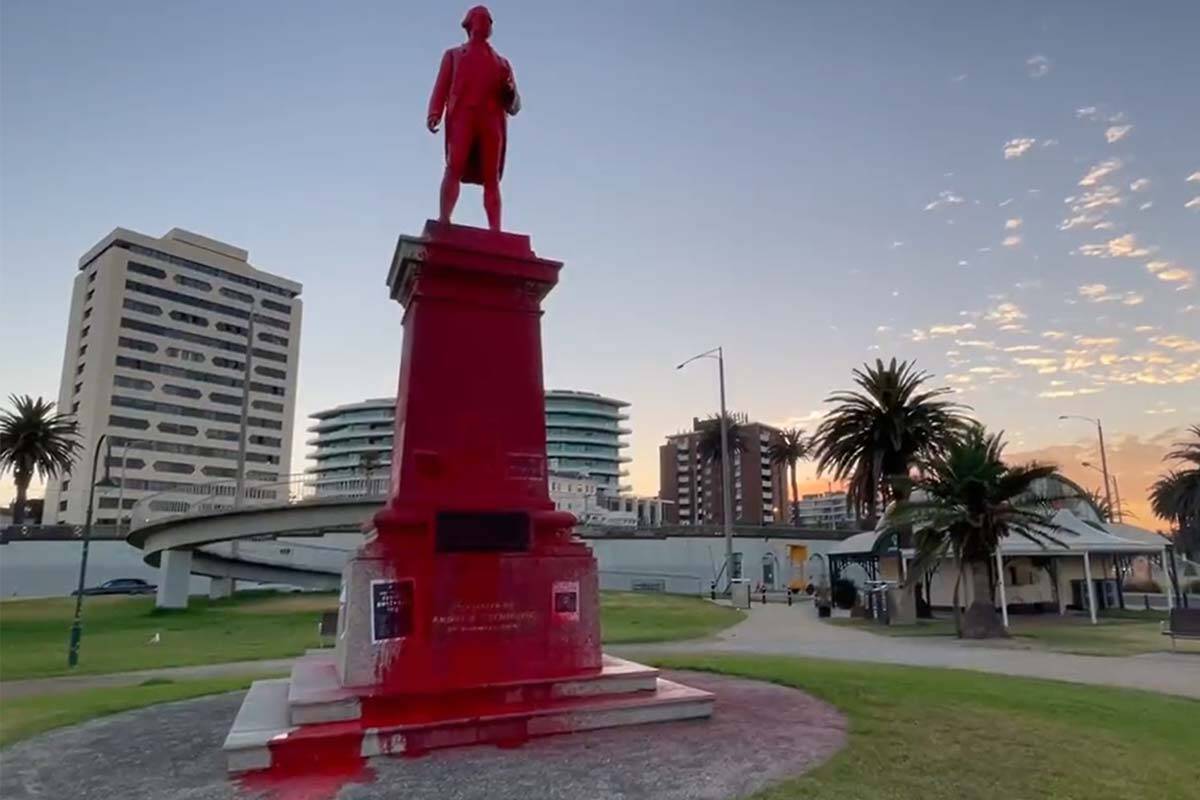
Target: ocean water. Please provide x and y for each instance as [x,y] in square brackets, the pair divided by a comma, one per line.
[51,569]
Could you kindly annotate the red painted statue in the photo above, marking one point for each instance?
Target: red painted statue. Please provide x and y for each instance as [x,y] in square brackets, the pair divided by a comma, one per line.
[475,89]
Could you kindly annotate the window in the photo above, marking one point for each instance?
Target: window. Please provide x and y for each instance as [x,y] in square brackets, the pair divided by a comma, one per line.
[75,407]
[127,422]
[83,333]
[92,276]
[184,354]
[270,372]
[269,355]
[234,294]
[62,505]
[66,484]
[146,269]
[136,344]
[132,383]
[203,269]
[267,405]
[82,350]
[186,299]
[138,305]
[262,319]
[177,467]
[225,436]
[280,307]
[178,372]
[79,369]
[271,338]
[236,330]
[180,391]
[78,388]
[219,472]
[265,441]
[91,293]
[228,363]
[191,319]
[226,399]
[130,463]
[191,411]
[184,336]
[178,429]
[266,388]
[193,283]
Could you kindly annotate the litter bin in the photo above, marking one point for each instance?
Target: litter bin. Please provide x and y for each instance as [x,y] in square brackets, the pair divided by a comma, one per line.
[739,593]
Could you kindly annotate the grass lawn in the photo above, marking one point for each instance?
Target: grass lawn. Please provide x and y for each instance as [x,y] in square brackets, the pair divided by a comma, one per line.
[26,716]
[258,625]
[936,734]
[1118,633]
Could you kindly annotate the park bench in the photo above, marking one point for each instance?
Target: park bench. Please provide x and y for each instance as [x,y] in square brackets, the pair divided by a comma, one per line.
[1182,623]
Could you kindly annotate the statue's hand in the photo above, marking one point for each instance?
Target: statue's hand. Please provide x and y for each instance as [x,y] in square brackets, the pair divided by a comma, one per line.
[432,122]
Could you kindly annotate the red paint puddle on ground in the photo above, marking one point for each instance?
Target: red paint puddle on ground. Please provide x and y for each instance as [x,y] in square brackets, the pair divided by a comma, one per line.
[304,768]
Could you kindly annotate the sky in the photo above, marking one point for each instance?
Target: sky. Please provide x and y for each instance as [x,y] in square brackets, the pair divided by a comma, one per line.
[1006,193]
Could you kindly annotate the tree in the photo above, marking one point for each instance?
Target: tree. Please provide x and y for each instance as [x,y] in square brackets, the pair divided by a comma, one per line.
[1176,495]
[790,448]
[35,439]
[872,438]
[709,444]
[965,501]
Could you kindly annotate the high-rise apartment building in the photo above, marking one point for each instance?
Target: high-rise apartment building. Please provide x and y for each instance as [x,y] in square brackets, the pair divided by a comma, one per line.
[692,485]
[162,338]
[584,435]
[584,438]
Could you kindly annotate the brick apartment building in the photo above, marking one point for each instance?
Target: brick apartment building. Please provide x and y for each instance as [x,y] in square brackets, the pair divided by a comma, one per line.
[693,486]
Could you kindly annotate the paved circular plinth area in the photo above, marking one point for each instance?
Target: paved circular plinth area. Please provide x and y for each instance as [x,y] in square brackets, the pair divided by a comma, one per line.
[759,734]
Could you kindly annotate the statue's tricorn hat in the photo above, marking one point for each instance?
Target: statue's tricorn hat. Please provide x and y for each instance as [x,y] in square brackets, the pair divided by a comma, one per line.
[474,12]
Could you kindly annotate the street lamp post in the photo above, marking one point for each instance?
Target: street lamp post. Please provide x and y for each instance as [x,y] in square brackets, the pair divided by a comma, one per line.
[1103,454]
[726,488]
[1116,510]
[243,431]
[76,624]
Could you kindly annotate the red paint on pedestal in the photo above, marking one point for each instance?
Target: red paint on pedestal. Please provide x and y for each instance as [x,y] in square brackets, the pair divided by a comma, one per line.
[470,520]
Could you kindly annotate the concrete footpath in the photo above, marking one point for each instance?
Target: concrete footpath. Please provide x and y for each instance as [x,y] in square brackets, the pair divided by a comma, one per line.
[796,631]
[781,630]
[74,683]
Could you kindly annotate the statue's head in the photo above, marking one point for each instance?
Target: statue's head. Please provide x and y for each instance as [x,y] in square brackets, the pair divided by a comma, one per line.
[478,24]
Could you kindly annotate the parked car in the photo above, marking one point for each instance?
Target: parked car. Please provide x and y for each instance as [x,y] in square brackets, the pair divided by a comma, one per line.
[120,586]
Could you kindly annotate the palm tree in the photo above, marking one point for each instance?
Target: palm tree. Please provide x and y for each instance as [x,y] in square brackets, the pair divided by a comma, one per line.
[709,444]
[872,438]
[1176,495]
[35,439]
[966,500]
[790,448]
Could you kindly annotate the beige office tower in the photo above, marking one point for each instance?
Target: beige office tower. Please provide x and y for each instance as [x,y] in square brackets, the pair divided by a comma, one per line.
[163,336]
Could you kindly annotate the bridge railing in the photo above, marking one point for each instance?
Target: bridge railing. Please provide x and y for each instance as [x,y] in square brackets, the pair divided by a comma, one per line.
[224,495]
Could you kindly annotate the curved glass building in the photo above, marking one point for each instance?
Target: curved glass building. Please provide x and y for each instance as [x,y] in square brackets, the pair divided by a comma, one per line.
[584,436]
[352,439]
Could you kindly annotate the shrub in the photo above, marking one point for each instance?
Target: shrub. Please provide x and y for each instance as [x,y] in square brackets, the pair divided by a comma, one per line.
[844,593]
[1147,585]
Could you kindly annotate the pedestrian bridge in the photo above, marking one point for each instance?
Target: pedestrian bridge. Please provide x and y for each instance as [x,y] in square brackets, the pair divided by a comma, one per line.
[298,532]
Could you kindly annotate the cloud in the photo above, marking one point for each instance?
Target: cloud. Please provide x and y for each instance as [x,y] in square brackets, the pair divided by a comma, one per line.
[1140,184]
[1146,206]
[883,329]
[1004,203]
[1012,224]
[1117,132]
[1006,315]
[1133,299]
[1098,341]
[951,330]
[1091,206]
[982,344]
[1171,273]
[897,244]
[1011,241]
[1097,172]
[1195,176]
[1093,290]
[1049,142]
[1044,366]
[1087,112]
[1053,335]
[1098,293]
[1023,348]
[944,198]
[1180,344]
[1193,203]
[1037,66]
[1121,247]
[1015,148]
[1055,393]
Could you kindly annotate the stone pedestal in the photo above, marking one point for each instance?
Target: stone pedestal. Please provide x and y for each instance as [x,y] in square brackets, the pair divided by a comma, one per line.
[471,614]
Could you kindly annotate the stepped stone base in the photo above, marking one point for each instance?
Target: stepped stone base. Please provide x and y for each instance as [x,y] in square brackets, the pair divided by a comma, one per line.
[310,718]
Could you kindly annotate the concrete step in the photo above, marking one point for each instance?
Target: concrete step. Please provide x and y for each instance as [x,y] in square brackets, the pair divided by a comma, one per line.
[315,694]
[265,733]
[262,717]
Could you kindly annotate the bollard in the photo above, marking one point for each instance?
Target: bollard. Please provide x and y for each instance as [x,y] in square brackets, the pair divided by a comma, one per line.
[789,597]
[1146,599]
[713,590]
[764,596]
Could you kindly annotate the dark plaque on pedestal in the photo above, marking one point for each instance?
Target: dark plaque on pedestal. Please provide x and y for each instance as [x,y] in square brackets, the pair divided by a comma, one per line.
[391,609]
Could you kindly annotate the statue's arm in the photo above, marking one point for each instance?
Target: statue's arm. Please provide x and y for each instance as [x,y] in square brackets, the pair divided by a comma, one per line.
[512,96]
[441,91]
